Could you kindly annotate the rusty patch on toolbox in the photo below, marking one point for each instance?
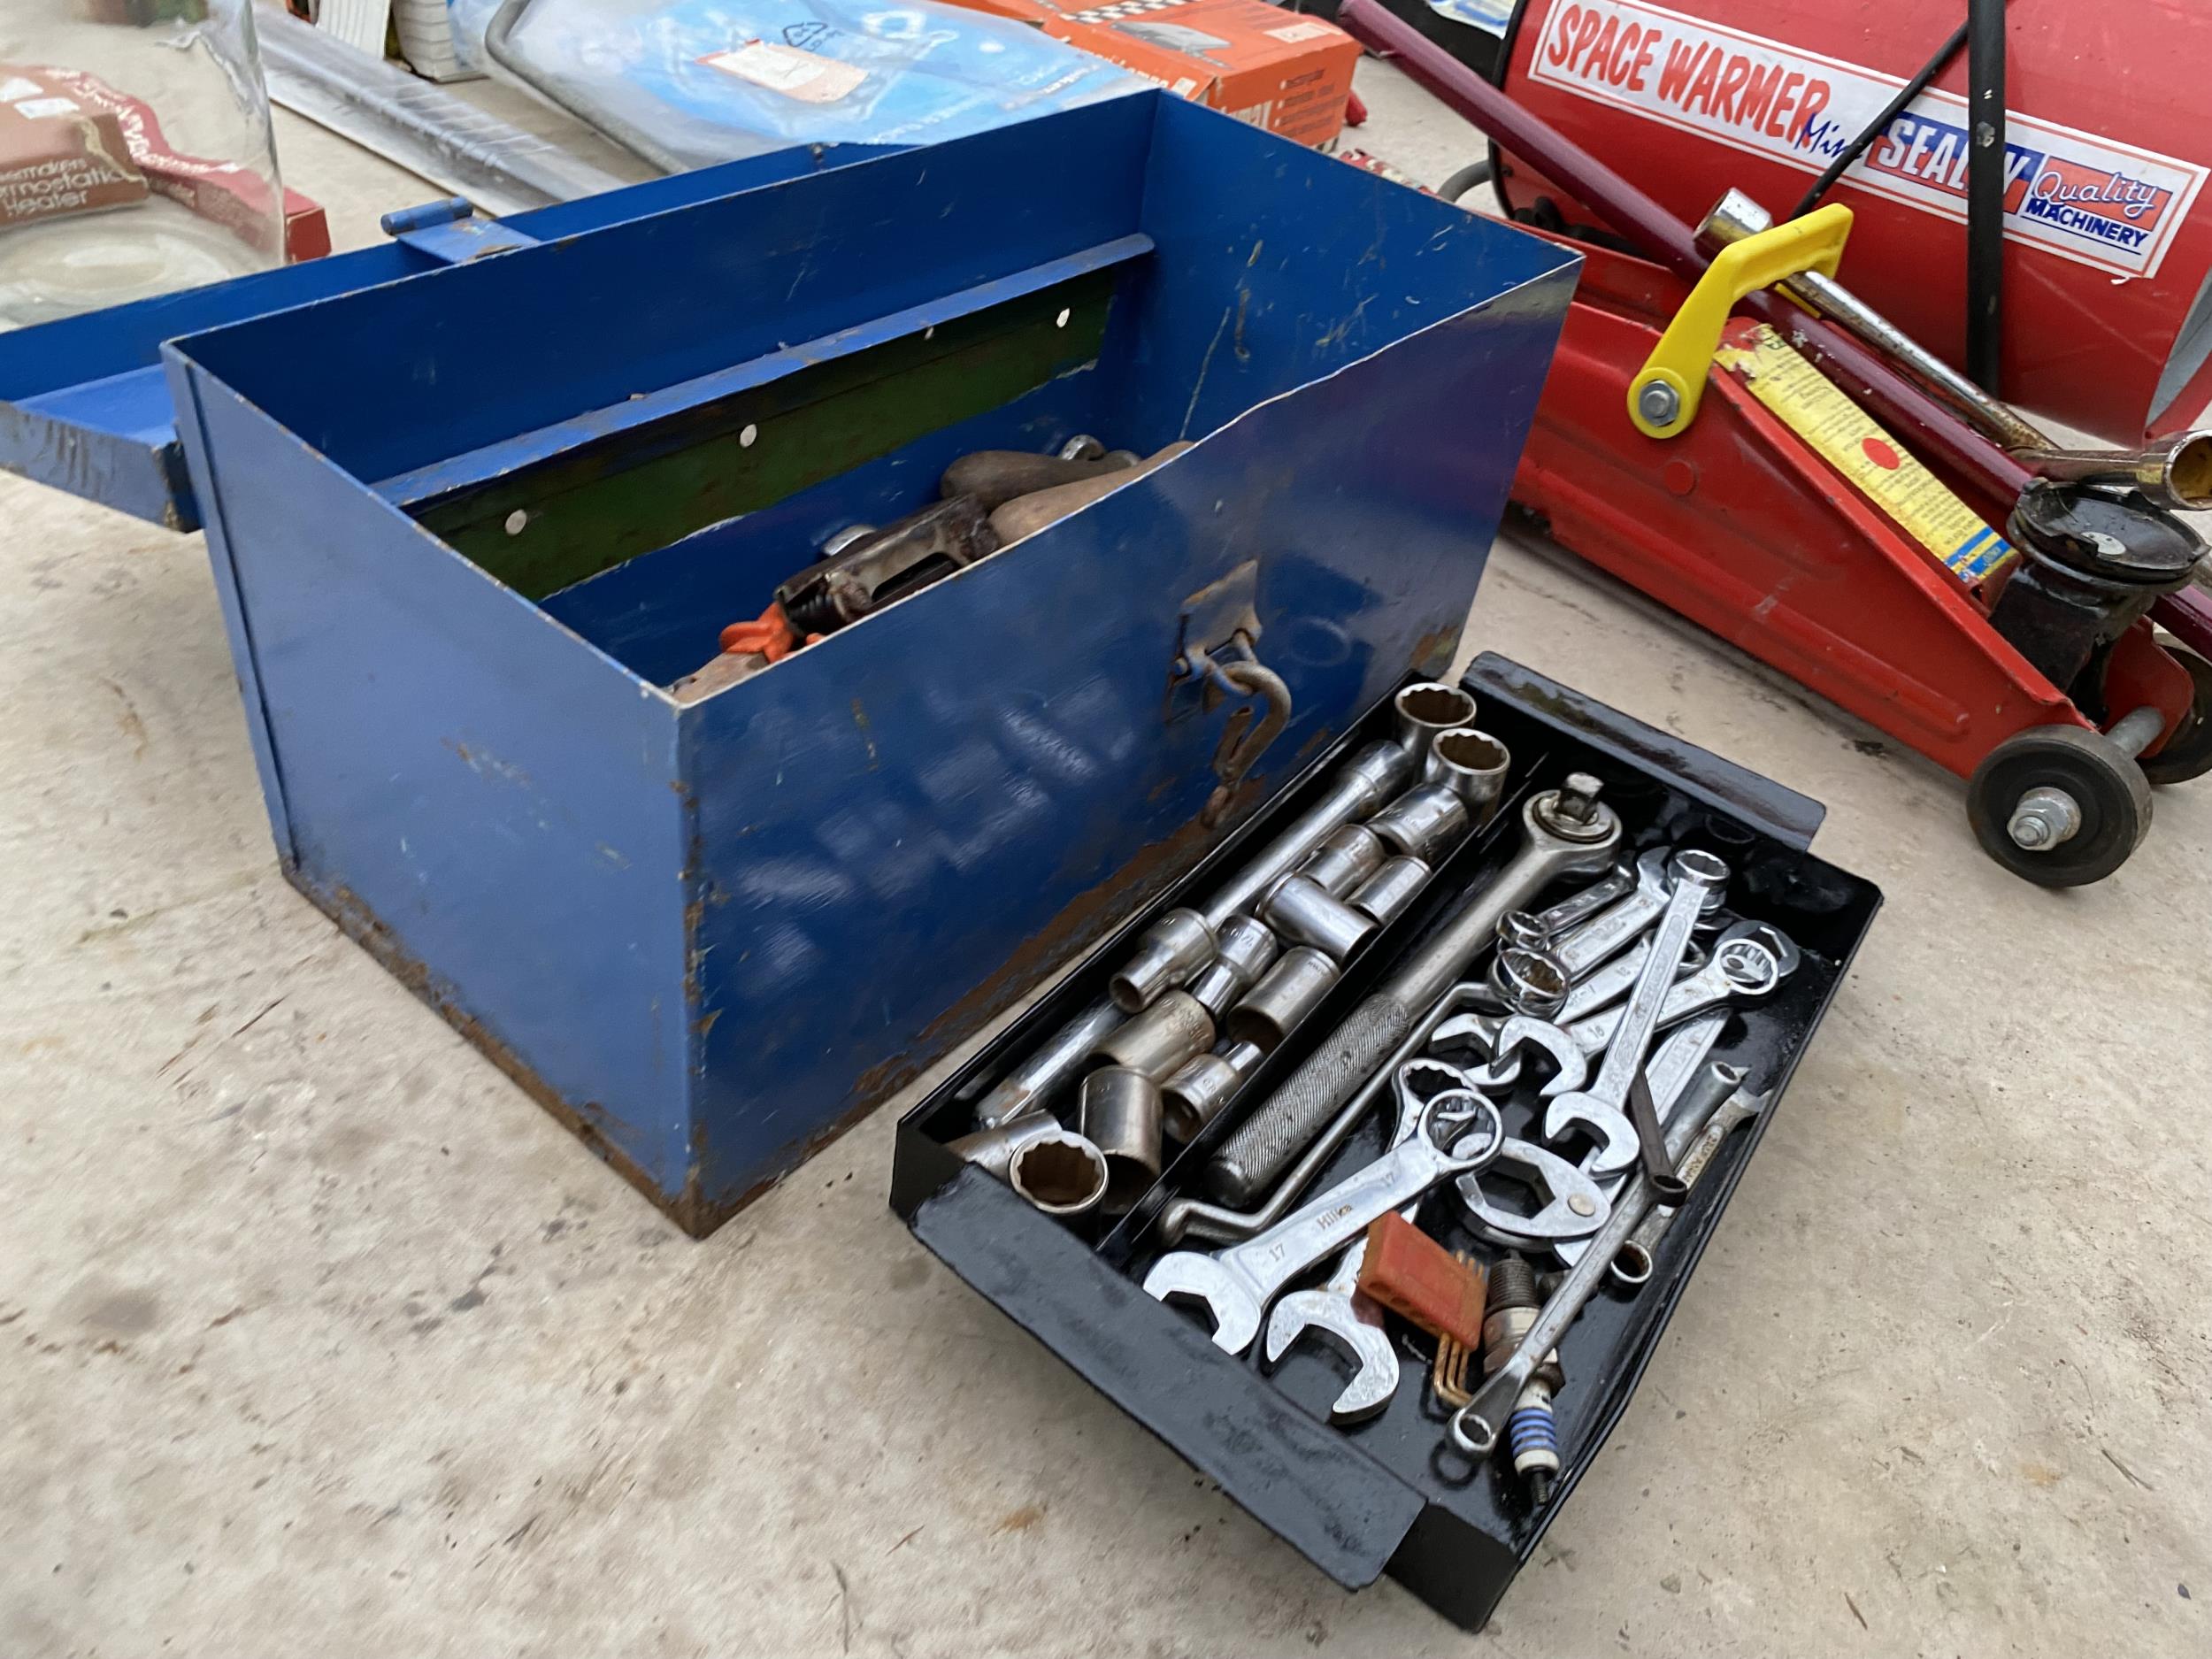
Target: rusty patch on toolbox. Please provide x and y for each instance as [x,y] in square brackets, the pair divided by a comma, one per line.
[1083,921]
[588,1121]
[1432,651]
[1323,736]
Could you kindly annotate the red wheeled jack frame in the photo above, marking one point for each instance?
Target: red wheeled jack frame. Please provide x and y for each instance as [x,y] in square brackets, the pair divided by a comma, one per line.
[1739,525]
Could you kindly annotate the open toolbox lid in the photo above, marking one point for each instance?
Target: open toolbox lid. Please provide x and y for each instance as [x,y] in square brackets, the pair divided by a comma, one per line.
[86,407]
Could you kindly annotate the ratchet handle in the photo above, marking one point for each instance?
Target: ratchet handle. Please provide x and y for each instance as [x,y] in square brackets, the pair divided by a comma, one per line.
[1265,1143]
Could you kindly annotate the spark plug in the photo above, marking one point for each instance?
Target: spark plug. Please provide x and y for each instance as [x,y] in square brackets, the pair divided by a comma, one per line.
[1532,1434]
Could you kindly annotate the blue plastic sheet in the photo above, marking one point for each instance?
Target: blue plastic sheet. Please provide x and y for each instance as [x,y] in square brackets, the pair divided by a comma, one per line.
[709,80]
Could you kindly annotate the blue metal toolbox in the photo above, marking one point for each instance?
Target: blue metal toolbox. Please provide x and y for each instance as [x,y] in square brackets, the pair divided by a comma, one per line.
[1388,1494]
[470,522]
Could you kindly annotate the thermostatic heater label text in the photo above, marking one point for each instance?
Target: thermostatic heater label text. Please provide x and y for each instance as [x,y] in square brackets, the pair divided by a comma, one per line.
[2102,203]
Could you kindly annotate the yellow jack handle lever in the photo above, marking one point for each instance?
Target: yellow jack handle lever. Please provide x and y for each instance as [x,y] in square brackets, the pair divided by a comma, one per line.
[1662,399]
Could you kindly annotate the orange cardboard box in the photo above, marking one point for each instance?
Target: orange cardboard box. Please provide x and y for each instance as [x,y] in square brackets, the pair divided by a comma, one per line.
[1288,74]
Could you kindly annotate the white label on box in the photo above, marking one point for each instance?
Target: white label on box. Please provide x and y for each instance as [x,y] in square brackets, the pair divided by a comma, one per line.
[39,109]
[806,76]
[2092,200]
[1293,33]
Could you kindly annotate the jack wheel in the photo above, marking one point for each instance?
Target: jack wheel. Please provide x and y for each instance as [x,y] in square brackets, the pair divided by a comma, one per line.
[2189,753]
[2059,805]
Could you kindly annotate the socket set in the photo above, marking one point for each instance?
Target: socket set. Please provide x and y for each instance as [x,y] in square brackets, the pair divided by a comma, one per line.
[1367,1166]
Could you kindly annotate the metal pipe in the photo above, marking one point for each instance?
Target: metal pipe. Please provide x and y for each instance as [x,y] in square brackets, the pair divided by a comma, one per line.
[1915,417]
[1986,181]
[2174,472]
[2137,730]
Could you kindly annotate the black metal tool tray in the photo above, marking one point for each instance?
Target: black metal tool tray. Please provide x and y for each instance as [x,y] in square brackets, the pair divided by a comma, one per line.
[1386,1493]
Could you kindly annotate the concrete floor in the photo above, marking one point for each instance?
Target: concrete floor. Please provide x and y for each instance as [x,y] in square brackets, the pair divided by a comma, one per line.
[321,1337]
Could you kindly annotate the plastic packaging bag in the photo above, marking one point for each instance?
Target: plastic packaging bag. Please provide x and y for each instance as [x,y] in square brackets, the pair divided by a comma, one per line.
[687,83]
[135,154]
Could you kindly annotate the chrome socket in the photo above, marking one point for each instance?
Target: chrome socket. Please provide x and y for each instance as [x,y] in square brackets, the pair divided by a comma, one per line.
[1345,859]
[1062,1174]
[994,1150]
[1424,710]
[1245,950]
[1195,1096]
[1292,988]
[1422,822]
[1303,912]
[1390,892]
[1172,949]
[1473,765]
[1158,1041]
[1122,1117]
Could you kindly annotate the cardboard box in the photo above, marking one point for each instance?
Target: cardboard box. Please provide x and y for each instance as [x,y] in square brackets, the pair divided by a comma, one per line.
[56,156]
[1276,69]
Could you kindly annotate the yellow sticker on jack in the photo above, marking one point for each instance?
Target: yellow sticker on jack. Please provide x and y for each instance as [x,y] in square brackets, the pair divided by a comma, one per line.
[1807,401]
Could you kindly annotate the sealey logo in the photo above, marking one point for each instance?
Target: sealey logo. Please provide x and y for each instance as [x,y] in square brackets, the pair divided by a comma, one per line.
[2082,197]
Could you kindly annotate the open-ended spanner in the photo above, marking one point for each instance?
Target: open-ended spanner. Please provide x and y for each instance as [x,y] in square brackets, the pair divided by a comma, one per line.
[1475,1426]
[1335,1307]
[1236,1283]
[1564,830]
[1601,1109]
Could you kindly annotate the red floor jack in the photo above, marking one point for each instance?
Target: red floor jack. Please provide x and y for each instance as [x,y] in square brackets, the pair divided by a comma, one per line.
[1696,440]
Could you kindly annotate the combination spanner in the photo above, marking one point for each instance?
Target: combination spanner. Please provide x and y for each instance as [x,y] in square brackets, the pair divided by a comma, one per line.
[1619,925]
[1683,1084]
[1574,1206]
[1601,1107]
[1335,1306]
[1238,1283]
[1564,830]
[1475,1426]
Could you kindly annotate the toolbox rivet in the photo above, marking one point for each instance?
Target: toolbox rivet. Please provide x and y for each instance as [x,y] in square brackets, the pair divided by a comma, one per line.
[516,521]
[1061,321]
[745,439]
